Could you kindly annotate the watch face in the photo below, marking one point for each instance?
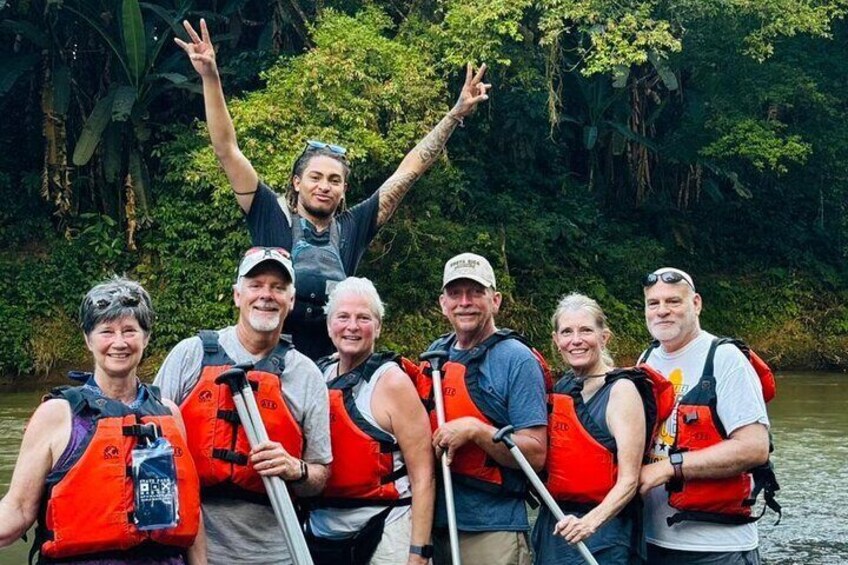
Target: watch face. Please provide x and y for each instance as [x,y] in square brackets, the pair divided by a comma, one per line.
[676,458]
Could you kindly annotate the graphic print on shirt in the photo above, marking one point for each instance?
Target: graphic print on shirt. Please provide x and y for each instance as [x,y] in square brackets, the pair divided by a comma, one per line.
[665,438]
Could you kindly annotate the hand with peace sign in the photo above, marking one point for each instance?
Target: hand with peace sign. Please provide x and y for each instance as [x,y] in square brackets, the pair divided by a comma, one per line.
[473,91]
[200,50]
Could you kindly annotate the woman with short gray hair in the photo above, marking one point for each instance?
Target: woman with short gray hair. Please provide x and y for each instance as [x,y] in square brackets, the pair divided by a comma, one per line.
[377,506]
[109,455]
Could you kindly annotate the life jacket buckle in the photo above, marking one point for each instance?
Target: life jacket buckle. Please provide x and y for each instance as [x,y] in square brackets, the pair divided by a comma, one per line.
[690,417]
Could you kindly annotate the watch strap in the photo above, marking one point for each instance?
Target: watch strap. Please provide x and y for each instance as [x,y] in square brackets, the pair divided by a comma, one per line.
[425,551]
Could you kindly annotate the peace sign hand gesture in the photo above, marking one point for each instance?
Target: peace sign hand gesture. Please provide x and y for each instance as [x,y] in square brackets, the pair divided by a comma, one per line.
[473,91]
[200,50]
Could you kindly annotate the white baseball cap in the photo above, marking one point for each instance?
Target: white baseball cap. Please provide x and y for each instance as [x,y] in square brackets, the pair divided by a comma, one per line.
[469,266]
[255,256]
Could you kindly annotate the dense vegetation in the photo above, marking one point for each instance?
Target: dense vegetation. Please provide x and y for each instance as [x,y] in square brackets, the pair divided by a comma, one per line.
[620,136]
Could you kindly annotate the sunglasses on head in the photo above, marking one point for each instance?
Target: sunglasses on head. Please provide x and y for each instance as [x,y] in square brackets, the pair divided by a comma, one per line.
[337,149]
[124,297]
[670,277]
[268,251]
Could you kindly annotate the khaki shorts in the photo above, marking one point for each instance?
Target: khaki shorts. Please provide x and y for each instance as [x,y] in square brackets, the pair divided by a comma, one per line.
[394,545]
[489,548]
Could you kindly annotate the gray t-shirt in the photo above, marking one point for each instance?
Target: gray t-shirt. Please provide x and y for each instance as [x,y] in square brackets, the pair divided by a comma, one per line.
[238,531]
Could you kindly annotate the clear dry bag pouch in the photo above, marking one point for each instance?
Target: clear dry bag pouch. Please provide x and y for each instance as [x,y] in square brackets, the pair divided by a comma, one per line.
[155,485]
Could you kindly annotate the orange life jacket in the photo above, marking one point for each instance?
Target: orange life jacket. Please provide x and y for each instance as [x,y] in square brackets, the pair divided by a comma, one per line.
[581,464]
[728,500]
[462,397]
[362,472]
[88,508]
[216,438]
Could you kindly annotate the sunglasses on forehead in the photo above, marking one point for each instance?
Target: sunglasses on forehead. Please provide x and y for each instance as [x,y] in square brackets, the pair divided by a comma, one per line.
[124,297]
[670,277]
[268,251]
[337,149]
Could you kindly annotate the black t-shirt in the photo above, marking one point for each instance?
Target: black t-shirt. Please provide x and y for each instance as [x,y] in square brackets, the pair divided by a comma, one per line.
[269,227]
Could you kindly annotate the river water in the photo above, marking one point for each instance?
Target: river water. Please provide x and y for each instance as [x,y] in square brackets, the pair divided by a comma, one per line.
[809,421]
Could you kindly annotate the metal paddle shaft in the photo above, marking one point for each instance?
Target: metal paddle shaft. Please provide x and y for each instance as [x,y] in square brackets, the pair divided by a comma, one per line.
[505,435]
[435,358]
[254,428]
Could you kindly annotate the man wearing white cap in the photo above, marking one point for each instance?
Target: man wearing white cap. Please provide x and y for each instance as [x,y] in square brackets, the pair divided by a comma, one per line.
[491,379]
[292,400]
[696,488]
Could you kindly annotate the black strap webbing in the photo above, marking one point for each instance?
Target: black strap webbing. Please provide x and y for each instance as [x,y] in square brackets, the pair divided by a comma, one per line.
[230,456]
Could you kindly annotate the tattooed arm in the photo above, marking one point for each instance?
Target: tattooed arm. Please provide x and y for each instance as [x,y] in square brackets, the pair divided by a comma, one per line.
[428,149]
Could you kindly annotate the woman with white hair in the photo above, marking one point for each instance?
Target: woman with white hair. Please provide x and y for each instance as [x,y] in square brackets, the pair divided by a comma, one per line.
[104,466]
[600,421]
[377,506]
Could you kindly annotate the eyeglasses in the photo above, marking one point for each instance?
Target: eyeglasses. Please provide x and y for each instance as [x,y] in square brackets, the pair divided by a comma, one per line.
[337,149]
[670,277]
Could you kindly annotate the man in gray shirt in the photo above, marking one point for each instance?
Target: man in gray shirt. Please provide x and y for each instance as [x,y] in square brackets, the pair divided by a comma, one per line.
[290,391]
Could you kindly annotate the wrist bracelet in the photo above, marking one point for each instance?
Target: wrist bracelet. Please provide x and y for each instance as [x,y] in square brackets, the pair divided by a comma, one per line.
[304,472]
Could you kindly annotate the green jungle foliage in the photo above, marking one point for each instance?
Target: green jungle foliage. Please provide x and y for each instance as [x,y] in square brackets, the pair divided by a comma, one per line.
[619,136]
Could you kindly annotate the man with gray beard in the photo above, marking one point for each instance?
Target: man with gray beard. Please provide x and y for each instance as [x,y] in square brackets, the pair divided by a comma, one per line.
[292,399]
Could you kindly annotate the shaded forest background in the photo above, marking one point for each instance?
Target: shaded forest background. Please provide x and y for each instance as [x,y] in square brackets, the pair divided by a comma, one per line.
[619,136]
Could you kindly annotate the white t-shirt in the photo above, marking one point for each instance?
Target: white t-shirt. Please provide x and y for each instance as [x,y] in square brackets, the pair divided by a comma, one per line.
[739,403]
[340,523]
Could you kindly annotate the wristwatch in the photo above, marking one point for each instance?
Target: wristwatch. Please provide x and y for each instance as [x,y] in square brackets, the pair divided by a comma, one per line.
[425,551]
[676,460]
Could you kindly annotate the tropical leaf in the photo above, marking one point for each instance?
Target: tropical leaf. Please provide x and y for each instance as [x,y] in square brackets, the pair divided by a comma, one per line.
[171,18]
[590,136]
[631,135]
[620,76]
[667,75]
[12,68]
[125,97]
[93,130]
[175,78]
[92,22]
[135,45]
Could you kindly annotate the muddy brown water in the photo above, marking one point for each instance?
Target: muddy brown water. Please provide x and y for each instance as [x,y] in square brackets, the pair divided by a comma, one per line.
[809,422]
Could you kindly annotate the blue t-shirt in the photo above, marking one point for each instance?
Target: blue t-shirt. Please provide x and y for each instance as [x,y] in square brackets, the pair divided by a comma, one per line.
[513,388]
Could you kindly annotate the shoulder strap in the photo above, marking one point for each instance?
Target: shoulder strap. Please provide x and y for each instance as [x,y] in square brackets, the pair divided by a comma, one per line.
[365,371]
[336,235]
[72,394]
[647,353]
[444,341]
[275,362]
[296,228]
[209,338]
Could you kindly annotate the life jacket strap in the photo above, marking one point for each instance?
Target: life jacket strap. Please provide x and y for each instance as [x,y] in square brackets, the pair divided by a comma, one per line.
[394,475]
[230,416]
[230,456]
